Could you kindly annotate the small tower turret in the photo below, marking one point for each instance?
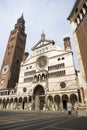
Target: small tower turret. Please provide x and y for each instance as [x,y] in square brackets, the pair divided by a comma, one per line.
[67,43]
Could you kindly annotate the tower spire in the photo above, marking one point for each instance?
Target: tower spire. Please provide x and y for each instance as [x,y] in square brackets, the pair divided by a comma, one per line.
[42,36]
[20,25]
[22,16]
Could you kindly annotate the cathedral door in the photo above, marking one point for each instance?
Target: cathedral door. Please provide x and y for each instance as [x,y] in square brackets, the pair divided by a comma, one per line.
[39,97]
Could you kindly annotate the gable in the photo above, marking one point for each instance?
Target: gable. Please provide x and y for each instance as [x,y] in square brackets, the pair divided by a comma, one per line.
[42,43]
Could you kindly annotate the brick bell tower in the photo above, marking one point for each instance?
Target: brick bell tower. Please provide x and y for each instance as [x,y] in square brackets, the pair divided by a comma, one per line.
[13,56]
[78,20]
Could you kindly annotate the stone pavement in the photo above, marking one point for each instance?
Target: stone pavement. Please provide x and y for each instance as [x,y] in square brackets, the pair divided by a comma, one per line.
[25,120]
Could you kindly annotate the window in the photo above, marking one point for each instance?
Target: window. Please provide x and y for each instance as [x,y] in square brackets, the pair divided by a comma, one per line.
[8,47]
[9,53]
[57,74]
[12,46]
[26,68]
[29,73]
[58,59]
[63,58]
[63,84]
[28,79]
[57,66]
[76,10]
[17,61]
[24,89]
[30,67]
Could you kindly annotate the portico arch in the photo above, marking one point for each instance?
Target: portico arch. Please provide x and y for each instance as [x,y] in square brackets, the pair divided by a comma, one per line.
[64,101]
[1,103]
[4,103]
[15,102]
[20,105]
[39,97]
[50,102]
[11,103]
[7,103]
[57,98]
[73,99]
[11,100]
[24,102]
[57,101]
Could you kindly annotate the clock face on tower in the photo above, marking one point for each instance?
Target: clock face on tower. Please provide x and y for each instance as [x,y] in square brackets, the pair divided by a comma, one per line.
[5,69]
[41,62]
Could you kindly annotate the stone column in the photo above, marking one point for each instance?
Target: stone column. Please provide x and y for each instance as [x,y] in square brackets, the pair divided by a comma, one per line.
[61,103]
[69,103]
[37,102]
[82,99]
[53,108]
[17,103]
[46,103]
[33,103]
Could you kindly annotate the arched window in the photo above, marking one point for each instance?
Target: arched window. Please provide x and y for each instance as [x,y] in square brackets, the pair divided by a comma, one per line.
[81,16]
[43,77]
[84,10]
[85,7]
[35,78]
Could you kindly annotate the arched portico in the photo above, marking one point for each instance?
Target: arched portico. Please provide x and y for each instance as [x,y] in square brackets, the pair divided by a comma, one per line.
[11,103]
[38,97]
[24,105]
[50,102]
[64,101]
[74,100]
[7,103]
[57,102]
[20,105]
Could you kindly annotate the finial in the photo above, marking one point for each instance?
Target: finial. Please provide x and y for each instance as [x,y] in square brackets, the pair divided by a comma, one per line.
[22,16]
[43,35]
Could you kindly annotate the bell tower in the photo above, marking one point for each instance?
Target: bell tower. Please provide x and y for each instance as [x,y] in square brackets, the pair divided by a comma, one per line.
[13,55]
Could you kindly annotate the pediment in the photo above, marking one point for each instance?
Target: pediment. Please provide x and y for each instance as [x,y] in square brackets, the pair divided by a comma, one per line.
[42,43]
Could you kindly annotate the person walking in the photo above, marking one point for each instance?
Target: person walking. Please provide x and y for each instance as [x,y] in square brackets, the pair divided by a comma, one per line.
[69,110]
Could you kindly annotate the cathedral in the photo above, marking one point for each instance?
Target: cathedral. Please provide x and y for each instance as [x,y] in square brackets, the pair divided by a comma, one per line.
[46,79]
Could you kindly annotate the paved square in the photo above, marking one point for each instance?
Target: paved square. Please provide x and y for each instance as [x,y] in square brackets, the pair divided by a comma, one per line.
[25,120]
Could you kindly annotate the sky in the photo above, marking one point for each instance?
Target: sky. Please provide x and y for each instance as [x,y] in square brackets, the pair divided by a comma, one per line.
[49,16]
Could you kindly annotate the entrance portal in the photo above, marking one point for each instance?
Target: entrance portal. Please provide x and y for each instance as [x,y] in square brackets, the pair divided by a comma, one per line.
[39,97]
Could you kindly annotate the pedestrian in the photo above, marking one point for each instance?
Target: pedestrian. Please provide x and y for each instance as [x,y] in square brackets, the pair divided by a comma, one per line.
[69,110]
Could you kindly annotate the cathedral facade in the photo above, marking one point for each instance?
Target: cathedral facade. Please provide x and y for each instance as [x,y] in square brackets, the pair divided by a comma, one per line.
[48,79]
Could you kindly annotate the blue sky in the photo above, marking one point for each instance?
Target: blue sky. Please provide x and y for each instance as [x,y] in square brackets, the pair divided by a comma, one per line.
[48,15]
